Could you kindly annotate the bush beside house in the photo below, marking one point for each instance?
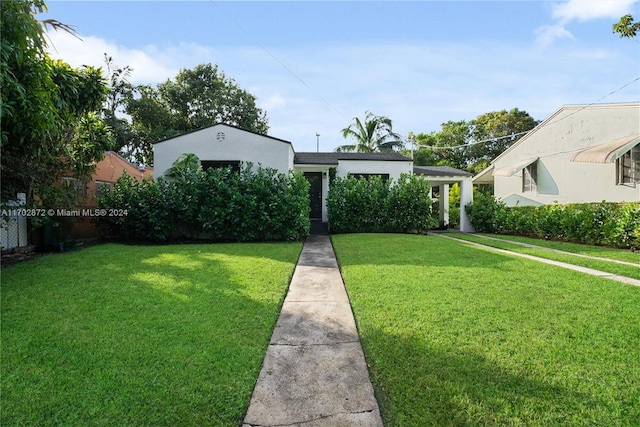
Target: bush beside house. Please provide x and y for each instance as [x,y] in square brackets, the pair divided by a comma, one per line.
[253,204]
[374,205]
[604,223]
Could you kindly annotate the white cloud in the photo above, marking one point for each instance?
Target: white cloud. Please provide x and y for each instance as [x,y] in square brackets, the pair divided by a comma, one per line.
[582,10]
[419,86]
[150,63]
[547,34]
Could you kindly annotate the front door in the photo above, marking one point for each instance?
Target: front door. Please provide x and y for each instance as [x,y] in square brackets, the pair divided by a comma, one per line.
[315,193]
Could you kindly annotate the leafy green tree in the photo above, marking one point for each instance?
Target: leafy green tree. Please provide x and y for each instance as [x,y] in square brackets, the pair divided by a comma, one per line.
[375,134]
[50,113]
[444,148]
[626,27]
[195,99]
[120,92]
[492,133]
[472,145]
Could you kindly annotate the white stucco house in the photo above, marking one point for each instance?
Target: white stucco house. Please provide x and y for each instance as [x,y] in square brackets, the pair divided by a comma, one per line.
[579,154]
[223,145]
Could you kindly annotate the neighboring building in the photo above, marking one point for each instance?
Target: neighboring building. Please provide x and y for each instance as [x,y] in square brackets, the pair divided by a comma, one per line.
[224,145]
[581,153]
[107,172]
[15,232]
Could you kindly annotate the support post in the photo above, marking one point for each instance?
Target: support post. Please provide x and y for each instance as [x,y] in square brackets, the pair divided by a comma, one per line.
[443,201]
[466,197]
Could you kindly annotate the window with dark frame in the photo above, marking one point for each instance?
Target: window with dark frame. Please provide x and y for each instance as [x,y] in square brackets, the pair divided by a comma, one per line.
[628,167]
[530,178]
[78,186]
[220,164]
[102,186]
[367,176]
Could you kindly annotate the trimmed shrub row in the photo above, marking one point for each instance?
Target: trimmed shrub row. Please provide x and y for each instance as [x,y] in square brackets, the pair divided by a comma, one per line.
[605,223]
[217,204]
[357,205]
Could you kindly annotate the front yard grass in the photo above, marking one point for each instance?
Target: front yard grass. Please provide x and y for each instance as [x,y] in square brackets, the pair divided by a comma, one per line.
[139,335]
[458,336]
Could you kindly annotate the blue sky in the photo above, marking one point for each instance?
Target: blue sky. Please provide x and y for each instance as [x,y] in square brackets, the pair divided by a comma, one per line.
[313,66]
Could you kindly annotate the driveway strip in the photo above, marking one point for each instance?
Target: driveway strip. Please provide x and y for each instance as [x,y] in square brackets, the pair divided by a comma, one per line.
[314,372]
[586,270]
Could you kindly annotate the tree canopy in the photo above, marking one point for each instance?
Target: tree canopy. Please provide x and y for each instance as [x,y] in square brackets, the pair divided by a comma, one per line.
[50,112]
[626,27]
[374,135]
[471,145]
[195,99]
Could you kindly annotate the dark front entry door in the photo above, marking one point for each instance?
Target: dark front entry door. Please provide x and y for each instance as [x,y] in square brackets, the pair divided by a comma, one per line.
[315,193]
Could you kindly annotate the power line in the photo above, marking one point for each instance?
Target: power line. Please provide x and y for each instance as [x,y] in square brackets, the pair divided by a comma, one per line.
[433,147]
[513,135]
[595,102]
[275,58]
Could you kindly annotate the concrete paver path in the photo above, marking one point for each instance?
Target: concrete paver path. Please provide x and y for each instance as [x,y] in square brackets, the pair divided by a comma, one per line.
[314,372]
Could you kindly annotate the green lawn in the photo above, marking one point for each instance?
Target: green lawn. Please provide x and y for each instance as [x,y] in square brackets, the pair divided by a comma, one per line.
[506,242]
[120,335]
[460,336]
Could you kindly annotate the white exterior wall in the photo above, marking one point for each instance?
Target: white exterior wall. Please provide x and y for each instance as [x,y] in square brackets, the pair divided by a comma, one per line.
[393,168]
[237,144]
[570,130]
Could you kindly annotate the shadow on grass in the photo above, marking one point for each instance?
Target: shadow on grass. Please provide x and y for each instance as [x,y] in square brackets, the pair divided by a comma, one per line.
[421,384]
[458,336]
[126,335]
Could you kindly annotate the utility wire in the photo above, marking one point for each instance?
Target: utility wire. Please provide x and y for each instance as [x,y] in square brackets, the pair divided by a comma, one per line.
[595,102]
[513,135]
[275,58]
[433,147]
[290,71]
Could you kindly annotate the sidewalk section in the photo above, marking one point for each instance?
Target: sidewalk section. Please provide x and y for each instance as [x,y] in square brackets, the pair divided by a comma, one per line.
[314,372]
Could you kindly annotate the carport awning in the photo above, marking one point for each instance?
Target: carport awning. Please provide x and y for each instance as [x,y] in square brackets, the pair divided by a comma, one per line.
[608,152]
[514,169]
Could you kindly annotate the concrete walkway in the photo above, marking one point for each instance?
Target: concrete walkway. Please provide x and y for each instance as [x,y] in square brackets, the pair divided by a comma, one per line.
[529,245]
[314,372]
[603,274]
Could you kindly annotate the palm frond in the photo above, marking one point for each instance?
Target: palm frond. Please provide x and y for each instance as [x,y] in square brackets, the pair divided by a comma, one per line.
[345,149]
[59,26]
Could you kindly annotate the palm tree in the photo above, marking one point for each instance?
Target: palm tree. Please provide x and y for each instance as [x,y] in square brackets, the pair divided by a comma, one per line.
[376,134]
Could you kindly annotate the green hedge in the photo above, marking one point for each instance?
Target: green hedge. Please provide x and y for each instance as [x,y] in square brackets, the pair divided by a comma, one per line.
[219,204]
[605,223]
[357,205]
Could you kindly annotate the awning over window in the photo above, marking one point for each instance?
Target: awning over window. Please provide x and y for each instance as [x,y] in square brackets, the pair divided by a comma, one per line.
[608,152]
[514,169]
[484,177]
